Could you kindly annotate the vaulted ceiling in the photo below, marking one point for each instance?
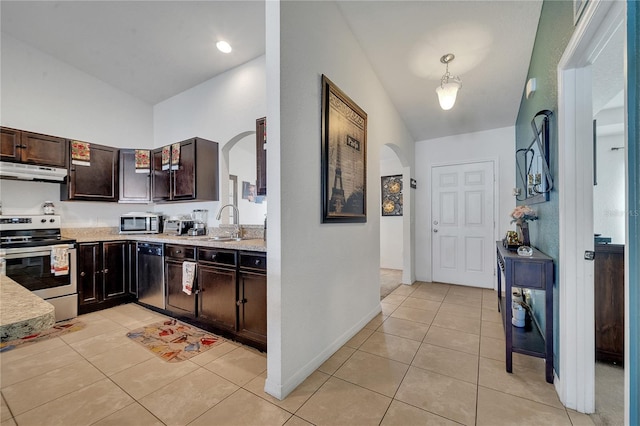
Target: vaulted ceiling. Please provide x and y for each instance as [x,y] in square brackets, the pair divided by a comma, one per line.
[156,49]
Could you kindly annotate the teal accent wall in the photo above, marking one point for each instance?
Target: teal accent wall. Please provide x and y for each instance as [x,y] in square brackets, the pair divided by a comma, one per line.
[554,31]
[633,242]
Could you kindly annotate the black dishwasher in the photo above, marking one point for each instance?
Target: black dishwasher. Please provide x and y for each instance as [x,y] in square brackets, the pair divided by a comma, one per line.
[151,274]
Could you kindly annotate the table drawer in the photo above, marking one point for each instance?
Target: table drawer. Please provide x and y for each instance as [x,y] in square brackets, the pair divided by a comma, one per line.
[529,275]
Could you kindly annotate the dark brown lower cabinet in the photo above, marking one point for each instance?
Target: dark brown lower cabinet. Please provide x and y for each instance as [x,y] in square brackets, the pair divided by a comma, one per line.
[609,302]
[178,301]
[217,287]
[230,294]
[103,275]
[133,268]
[252,297]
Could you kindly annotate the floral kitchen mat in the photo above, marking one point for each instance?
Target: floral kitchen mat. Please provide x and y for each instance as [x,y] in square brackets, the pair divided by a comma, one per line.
[59,329]
[174,341]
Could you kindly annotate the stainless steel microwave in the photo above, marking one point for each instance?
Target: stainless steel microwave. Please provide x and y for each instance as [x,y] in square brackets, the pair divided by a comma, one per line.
[140,223]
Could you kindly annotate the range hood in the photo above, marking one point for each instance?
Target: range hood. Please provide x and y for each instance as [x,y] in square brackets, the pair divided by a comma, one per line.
[31,172]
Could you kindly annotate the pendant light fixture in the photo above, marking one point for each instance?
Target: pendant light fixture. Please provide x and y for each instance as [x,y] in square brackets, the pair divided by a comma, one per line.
[449,85]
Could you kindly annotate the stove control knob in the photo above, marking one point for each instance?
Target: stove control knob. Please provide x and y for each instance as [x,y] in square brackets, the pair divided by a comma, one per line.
[52,220]
[43,220]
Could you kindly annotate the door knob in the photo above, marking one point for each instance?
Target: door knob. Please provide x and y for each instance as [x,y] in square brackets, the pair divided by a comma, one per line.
[435,230]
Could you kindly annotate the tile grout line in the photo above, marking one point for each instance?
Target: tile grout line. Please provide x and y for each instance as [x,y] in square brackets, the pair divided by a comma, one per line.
[135,401]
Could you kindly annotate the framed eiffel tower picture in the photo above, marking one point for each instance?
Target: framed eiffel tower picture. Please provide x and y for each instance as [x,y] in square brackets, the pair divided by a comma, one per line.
[344,157]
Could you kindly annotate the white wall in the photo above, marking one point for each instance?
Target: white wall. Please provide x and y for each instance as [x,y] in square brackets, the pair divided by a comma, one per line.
[323,278]
[42,94]
[219,109]
[491,145]
[609,193]
[391,237]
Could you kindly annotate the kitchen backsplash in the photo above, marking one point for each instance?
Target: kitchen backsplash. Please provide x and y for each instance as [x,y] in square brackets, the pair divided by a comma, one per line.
[23,197]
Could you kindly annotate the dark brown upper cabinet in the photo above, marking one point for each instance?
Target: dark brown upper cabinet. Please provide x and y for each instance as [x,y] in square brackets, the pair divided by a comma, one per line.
[134,187]
[97,181]
[32,148]
[261,156]
[195,177]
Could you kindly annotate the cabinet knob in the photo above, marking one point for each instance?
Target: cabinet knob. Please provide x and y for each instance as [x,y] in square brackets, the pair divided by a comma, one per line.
[82,274]
[178,251]
[257,262]
[106,270]
[241,301]
[213,257]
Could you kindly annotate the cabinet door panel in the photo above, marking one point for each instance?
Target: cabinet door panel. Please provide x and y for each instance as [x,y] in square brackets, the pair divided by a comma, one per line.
[184,179]
[217,297]
[253,307]
[177,300]
[134,187]
[10,144]
[88,267]
[132,276]
[160,177]
[114,255]
[99,181]
[43,149]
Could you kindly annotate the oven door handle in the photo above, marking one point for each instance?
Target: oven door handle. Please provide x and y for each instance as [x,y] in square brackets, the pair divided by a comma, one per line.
[28,253]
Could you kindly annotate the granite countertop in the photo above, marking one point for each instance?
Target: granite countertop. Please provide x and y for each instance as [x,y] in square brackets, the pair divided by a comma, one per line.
[85,235]
[22,313]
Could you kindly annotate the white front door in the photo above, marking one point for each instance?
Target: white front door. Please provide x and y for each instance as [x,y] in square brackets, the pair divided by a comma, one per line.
[462,228]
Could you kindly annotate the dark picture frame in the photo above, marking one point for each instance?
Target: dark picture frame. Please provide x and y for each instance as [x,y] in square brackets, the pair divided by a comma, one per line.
[343,157]
[391,189]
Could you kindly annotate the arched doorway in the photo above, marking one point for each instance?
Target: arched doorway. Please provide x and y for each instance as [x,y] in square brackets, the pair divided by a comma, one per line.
[238,165]
[396,236]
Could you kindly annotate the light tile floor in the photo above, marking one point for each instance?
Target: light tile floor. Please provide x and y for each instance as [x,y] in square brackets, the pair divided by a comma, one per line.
[434,356]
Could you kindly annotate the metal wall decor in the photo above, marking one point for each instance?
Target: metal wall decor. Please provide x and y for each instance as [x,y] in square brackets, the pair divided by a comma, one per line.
[391,195]
[532,163]
[344,157]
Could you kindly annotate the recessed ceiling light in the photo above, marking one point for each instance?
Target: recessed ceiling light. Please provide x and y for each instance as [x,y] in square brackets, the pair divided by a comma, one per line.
[223,46]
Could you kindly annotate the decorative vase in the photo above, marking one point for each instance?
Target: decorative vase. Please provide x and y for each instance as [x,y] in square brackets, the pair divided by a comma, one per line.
[523,233]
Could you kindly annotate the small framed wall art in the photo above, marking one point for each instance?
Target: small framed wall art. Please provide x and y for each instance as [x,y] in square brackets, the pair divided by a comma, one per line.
[391,195]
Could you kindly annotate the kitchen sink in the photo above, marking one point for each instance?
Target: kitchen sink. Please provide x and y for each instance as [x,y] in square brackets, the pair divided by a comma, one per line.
[224,239]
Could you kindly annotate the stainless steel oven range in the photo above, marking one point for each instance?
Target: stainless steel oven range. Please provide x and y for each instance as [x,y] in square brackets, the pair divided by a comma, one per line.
[36,257]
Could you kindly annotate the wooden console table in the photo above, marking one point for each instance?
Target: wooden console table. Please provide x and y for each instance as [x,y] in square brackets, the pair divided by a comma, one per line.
[535,272]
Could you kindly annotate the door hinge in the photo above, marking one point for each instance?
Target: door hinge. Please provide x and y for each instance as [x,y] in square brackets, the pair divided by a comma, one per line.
[589,255]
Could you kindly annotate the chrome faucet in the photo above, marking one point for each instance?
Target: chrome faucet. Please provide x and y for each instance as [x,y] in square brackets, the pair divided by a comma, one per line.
[236,218]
